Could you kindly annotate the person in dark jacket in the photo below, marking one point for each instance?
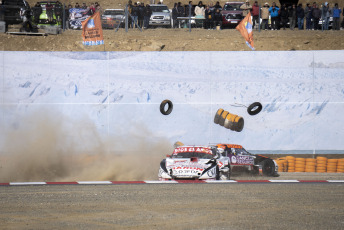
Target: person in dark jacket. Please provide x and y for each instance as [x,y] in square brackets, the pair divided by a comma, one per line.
[218,18]
[300,14]
[37,11]
[292,16]
[134,15]
[181,11]
[308,16]
[316,14]
[175,15]
[141,9]
[284,14]
[147,13]
[209,21]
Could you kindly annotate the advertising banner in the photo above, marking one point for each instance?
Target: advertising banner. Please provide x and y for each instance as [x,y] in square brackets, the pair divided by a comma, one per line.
[245,28]
[92,32]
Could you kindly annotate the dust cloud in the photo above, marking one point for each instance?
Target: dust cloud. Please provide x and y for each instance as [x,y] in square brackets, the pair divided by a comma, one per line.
[47,146]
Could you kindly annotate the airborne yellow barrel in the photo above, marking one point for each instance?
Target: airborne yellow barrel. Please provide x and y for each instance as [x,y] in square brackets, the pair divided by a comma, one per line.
[229,120]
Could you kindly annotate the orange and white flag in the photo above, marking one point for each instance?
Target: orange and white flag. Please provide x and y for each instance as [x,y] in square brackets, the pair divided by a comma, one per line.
[245,28]
[92,32]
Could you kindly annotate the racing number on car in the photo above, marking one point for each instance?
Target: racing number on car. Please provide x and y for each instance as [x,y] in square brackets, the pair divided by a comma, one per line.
[212,172]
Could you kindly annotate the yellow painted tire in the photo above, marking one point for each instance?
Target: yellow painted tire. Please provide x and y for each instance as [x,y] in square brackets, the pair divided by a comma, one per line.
[223,118]
[218,115]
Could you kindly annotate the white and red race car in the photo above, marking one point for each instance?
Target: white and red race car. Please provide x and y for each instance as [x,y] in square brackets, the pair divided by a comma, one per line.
[214,162]
[194,163]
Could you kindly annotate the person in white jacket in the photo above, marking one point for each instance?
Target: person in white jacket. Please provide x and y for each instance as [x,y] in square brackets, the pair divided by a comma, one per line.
[199,10]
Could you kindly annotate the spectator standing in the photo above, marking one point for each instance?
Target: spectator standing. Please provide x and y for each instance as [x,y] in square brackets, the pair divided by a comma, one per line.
[246,8]
[67,15]
[2,12]
[316,14]
[218,18]
[199,10]
[217,6]
[343,18]
[265,16]
[147,13]
[91,10]
[37,11]
[308,16]
[208,13]
[284,14]
[77,6]
[336,15]
[255,14]
[199,13]
[273,10]
[325,15]
[84,6]
[175,15]
[300,13]
[49,10]
[141,8]
[292,16]
[99,8]
[181,13]
[58,11]
[134,15]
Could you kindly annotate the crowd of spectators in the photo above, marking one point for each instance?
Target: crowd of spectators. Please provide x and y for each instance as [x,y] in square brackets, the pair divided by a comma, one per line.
[291,16]
[269,17]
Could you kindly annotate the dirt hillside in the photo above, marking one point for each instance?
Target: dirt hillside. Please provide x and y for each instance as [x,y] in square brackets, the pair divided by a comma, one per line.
[163,39]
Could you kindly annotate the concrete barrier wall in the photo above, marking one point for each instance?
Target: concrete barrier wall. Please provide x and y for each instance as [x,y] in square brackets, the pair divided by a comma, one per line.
[101,95]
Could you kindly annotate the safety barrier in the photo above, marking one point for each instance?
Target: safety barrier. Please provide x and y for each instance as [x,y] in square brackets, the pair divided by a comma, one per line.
[318,164]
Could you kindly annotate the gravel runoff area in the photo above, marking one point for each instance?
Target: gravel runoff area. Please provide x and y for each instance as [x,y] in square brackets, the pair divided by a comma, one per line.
[177,206]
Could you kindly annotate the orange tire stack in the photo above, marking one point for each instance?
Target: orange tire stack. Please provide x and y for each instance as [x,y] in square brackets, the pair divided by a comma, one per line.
[310,165]
[321,164]
[300,164]
[332,165]
[340,166]
[282,164]
[291,163]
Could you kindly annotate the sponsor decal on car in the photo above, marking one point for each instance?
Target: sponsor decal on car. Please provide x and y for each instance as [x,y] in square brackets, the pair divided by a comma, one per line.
[192,149]
[242,160]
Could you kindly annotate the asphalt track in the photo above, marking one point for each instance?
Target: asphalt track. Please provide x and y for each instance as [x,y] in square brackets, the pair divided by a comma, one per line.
[246,205]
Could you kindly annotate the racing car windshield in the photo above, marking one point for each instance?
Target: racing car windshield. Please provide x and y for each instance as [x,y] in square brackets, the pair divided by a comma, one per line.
[241,151]
[192,154]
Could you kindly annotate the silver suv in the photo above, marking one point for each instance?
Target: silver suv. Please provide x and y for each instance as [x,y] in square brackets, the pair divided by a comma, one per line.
[161,15]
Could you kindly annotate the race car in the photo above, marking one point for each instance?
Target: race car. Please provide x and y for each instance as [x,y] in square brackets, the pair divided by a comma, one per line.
[195,163]
[240,158]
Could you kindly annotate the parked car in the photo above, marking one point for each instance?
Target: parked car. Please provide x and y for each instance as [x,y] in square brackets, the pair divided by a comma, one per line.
[231,14]
[12,10]
[112,17]
[161,15]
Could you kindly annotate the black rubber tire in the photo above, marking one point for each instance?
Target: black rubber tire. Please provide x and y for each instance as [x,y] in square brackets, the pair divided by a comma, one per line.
[268,167]
[162,107]
[251,109]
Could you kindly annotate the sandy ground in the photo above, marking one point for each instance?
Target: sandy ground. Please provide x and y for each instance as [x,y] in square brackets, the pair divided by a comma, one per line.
[163,39]
[174,206]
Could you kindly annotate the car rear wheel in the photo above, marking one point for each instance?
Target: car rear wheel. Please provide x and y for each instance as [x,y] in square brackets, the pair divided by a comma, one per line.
[268,167]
